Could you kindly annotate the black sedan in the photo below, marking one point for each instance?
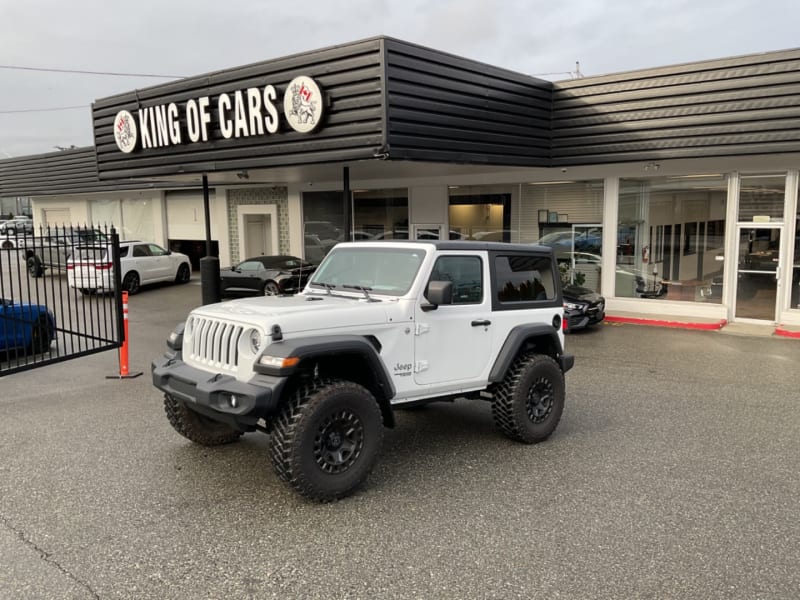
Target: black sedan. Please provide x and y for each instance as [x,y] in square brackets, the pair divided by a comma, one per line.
[582,307]
[266,275]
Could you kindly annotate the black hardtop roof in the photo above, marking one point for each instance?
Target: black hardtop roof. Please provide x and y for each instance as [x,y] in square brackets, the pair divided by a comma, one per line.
[466,245]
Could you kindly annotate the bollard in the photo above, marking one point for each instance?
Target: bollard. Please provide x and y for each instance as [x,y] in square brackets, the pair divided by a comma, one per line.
[124,372]
[123,352]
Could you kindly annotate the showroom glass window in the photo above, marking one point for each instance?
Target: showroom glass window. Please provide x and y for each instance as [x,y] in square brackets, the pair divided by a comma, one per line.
[761,197]
[377,214]
[566,216]
[481,212]
[670,238]
[323,223]
[380,214]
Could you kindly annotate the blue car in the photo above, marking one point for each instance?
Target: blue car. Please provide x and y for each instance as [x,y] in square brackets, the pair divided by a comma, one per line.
[29,327]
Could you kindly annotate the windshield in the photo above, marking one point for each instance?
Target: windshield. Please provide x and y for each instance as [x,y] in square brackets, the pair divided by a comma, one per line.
[389,271]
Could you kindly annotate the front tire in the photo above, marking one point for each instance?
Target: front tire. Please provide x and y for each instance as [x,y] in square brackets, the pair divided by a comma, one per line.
[184,274]
[271,289]
[528,404]
[196,427]
[327,438]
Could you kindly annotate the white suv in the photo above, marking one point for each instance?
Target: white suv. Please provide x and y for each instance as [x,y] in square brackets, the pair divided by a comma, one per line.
[91,268]
[379,325]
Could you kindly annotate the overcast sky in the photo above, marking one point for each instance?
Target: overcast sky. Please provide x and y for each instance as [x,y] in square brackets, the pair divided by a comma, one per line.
[190,37]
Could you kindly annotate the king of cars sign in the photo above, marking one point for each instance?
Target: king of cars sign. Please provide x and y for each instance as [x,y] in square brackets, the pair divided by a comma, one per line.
[240,114]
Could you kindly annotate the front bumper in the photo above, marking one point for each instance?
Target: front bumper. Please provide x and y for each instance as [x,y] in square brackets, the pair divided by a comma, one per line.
[578,319]
[222,397]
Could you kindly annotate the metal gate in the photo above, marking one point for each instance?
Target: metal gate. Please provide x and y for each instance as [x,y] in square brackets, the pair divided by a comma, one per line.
[46,315]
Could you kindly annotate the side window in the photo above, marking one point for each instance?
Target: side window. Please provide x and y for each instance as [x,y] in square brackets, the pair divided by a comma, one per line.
[524,278]
[156,250]
[251,266]
[466,274]
[139,251]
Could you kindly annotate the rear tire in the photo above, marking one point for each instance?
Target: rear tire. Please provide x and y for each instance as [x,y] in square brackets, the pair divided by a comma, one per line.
[528,404]
[41,335]
[327,438]
[196,427]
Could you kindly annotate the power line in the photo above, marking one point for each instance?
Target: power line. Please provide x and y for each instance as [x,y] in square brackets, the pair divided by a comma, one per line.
[109,73]
[33,110]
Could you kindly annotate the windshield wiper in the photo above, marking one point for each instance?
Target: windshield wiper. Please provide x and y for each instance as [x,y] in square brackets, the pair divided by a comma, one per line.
[365,289]
[327,286]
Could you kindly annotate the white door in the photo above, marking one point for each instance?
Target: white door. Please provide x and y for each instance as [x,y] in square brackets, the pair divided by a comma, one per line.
[453,343]
[257,240]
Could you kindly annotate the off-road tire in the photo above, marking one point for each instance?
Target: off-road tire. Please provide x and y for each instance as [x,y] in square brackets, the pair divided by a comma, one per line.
[184,274]
[196,427]
[326,439]
[271,289]
[527,405]
[132,283]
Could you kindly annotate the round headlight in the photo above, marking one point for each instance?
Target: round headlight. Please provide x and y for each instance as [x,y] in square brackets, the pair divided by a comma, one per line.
[255,340]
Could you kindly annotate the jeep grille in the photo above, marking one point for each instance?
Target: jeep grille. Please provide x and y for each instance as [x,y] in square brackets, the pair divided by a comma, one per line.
[215,343]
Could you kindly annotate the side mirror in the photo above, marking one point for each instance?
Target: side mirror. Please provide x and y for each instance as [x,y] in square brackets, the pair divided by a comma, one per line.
[439,292]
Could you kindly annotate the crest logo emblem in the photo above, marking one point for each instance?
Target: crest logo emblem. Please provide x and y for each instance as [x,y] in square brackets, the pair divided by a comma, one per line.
[125,132]
[303,104]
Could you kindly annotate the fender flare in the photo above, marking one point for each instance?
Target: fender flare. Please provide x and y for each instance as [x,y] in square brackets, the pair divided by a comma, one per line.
[517,338]
[331,345]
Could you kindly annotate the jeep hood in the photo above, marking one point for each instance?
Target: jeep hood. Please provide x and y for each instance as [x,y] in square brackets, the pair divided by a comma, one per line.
[300,312]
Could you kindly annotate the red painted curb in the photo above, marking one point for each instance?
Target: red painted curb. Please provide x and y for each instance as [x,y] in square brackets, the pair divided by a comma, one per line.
[664,323]
[787,333]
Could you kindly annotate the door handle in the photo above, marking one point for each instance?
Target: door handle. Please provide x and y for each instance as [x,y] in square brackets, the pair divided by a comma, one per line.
[481,323]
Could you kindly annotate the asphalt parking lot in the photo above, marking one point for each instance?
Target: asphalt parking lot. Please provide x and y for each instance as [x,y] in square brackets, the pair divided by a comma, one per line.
[675,473]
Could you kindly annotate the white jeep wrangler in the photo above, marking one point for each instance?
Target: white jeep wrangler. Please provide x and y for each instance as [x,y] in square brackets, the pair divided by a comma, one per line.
[379,325]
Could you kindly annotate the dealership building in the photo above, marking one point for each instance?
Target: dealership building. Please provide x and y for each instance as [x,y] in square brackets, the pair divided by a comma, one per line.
[671,190]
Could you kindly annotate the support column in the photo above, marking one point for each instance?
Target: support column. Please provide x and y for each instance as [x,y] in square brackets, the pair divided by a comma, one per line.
[209,265]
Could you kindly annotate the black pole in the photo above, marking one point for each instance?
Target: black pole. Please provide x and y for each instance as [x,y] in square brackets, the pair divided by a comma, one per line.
[348,209]
[207,213]
[209,265]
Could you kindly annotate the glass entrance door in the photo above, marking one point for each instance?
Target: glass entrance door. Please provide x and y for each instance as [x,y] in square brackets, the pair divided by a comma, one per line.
[758,275]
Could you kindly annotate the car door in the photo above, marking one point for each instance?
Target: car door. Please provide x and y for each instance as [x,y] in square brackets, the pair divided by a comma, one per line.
[452,343]
[160,263]
[139,261]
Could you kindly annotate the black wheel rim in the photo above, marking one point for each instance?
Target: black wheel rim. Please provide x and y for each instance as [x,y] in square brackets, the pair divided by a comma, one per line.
[539,403]
[339,441]
[133,283]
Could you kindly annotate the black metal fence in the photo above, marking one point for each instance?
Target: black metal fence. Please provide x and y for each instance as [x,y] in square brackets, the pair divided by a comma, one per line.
[47,314]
